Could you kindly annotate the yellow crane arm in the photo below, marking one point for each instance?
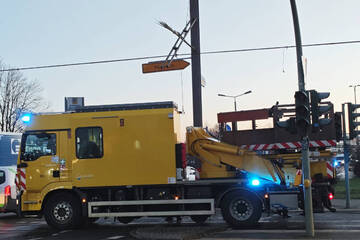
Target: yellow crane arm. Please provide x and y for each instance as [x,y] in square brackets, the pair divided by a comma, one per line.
[217,158]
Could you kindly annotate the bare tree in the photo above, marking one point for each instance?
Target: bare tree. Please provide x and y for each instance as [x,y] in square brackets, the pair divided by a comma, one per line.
[17,95]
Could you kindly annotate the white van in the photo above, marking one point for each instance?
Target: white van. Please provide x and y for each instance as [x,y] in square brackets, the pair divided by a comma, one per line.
[8,189]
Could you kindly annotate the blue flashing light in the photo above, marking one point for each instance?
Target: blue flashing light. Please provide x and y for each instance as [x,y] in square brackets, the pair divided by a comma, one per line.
[26,118]
[336,163]
[255,182]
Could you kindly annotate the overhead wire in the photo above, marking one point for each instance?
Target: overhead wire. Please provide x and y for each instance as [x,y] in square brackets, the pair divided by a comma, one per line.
[180,54]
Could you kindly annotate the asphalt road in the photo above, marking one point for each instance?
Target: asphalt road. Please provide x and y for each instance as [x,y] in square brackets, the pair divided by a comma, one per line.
[343,224]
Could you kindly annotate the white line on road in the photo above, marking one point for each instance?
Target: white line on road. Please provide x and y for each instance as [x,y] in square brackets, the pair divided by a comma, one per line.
[300,221]
[115,237]
[293,231]
[35,238]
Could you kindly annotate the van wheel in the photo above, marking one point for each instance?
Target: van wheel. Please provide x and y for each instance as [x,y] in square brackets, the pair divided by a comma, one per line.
[62,211]
[241,209]
[199,219]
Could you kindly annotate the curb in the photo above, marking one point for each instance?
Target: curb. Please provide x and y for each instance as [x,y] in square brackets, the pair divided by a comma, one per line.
[354,210]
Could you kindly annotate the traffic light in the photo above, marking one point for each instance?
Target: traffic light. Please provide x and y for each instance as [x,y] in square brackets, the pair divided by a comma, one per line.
[302,110]
[317,110]
[338,129]
[289,125]
[352,117]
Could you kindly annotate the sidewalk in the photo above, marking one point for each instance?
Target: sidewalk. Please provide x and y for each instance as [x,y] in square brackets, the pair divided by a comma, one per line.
[340,205]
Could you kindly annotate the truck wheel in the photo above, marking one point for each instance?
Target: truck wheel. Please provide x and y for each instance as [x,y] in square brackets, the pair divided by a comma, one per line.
[241,209]
[199,219]
[62,211]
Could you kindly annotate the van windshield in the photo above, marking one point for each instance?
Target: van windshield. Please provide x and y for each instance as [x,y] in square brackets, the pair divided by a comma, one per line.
[35,145]
[2,177]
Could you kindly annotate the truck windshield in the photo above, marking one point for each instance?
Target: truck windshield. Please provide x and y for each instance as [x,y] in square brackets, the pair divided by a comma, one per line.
[35,145]
[2,177]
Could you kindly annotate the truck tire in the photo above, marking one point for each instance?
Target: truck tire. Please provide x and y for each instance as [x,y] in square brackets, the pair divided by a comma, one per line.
[199,219]
[241,209]
[62,211]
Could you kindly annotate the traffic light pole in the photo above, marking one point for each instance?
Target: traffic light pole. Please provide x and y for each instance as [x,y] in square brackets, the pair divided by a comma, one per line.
[309,218]
[346,159]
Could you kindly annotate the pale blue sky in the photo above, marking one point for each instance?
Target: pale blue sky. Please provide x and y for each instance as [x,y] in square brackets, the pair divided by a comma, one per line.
[53,32]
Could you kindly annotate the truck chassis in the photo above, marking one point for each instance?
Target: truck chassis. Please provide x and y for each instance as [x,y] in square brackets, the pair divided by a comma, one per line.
[240,205]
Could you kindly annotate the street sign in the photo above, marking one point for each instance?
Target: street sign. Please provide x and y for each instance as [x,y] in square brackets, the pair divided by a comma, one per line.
[162,66]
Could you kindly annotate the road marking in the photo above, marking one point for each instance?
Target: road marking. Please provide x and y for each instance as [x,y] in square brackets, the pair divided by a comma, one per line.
[300,221]
[64,231]
[35,238]
[239,233]
[115,237]
[54,234]
[293,231]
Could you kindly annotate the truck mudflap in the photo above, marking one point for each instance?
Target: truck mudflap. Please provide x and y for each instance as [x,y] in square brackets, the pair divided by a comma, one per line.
[181,207]
[18,204]
[83,200]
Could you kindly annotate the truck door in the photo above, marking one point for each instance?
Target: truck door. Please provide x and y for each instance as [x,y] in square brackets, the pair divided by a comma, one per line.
[43,158]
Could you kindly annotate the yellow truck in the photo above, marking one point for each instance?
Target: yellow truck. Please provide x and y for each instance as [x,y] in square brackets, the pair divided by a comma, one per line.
[126,161]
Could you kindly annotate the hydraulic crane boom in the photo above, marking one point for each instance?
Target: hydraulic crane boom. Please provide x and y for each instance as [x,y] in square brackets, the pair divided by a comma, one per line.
[221,160]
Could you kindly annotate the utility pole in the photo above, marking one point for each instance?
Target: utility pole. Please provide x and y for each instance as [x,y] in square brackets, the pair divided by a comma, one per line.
[195,63]
[346,158]
[309,218]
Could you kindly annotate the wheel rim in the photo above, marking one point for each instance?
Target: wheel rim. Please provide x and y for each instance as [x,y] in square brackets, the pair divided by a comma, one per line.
[241,209]
[62,212]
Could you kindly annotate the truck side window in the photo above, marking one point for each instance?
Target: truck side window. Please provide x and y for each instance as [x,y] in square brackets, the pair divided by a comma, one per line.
[89,142]
[2,177]
[35,145]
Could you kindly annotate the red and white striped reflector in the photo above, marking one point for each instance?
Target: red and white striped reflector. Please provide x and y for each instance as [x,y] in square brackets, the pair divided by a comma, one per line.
[21,179]
[289,145]
[329,170]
